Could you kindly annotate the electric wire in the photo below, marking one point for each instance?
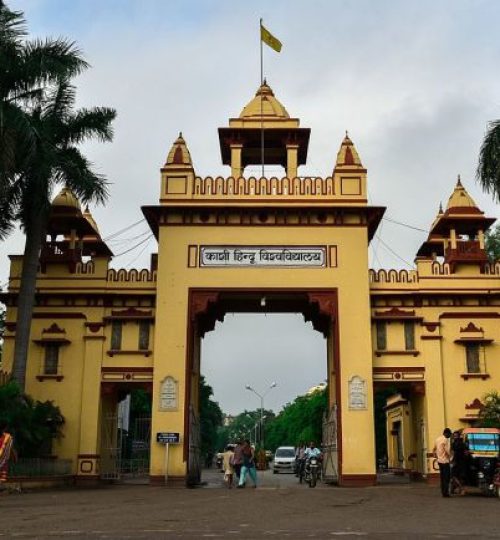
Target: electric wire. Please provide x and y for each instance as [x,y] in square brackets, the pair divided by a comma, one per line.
[134,247]
[138,254]
[393,252]
[390,220]
[125,229]
[129,239]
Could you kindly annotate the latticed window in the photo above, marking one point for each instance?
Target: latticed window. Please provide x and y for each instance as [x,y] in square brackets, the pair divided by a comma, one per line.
[472,358]
[381,327]
[143,335]
[51,362]
[116,335]
[409,335]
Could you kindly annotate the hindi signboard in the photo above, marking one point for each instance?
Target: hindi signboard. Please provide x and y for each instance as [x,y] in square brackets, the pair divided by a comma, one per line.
[263,256]
[168,394]
[357,394]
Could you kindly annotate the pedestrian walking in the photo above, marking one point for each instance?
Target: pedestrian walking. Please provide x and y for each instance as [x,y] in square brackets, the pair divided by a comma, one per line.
[7,452]
[238,459]
[459,456]
[248,465]
[442,452]
[228,465]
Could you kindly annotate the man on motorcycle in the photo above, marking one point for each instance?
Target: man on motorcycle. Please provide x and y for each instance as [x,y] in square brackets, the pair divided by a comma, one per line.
[312,451]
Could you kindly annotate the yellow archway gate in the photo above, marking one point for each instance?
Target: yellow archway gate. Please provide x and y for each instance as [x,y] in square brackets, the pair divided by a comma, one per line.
[225,243]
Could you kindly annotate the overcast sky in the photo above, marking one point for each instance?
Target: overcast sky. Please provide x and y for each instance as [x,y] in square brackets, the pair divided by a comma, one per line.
[415,83]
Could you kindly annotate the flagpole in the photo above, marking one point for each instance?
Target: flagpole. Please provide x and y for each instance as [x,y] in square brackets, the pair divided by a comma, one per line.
[261,104]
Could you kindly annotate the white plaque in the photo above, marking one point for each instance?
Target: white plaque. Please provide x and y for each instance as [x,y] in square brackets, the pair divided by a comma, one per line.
[259,256]
[168,394]
[357,393]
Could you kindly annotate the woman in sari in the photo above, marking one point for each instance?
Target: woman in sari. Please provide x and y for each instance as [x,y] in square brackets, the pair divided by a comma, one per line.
[6,451]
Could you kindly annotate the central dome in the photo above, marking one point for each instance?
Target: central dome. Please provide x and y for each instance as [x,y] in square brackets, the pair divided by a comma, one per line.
[265,105]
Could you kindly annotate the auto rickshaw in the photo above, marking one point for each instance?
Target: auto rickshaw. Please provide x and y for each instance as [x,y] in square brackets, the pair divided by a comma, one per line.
[483,458]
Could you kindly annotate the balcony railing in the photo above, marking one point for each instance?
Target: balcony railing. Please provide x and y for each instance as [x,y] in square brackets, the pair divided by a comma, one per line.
[466,251]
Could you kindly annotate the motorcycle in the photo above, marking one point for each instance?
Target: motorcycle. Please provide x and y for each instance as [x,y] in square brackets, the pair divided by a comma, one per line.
[311,471]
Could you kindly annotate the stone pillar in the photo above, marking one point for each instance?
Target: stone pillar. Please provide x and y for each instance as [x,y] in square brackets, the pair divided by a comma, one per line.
[89,449]
[434,400]
[480,236]
[292,160]
[236,166]
[453,239]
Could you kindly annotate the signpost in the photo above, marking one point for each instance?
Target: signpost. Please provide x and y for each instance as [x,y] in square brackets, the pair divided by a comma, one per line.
[167,438]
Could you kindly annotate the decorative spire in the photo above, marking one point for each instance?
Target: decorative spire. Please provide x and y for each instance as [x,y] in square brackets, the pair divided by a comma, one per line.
[347,154]
[460,198]
[179,153]
[440,208]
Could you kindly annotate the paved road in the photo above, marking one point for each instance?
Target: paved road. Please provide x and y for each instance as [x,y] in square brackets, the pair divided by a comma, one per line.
[279,508]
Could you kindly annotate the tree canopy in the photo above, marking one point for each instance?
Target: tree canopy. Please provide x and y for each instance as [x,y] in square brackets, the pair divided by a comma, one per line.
[34,424]
[299,421]
[40,135]
[490,413]
[211,418]
[493,244]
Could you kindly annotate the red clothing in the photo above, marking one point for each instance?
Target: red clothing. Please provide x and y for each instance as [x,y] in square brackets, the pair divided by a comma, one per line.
[5,450]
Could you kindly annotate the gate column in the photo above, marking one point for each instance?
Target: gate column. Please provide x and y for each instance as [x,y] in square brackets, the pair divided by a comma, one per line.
[88,459]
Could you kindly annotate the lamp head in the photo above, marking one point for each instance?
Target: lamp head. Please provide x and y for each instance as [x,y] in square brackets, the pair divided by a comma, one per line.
[273,385]
[248,387]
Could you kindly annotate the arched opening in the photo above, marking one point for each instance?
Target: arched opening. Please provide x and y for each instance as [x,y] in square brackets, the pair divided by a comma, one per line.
[318,307]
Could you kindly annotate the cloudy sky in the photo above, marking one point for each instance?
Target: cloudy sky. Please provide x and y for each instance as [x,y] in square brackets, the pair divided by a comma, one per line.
[414,82]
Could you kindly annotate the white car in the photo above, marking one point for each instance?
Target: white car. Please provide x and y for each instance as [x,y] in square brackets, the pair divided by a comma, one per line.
[284,459]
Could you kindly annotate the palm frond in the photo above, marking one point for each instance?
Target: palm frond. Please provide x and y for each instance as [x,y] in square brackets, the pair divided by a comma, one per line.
[48,61]
[488,169]
[59,102]
[92,123]
[12,25]
[75,171]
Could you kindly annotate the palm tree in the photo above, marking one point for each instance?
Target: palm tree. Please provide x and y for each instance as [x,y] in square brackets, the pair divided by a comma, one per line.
[488,169]
[55,159]
[27,70]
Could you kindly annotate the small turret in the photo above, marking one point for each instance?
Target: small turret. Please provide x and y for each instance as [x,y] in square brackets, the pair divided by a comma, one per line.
[71,234]
[347,155]
[264,121]
[457,234]
[348,173]
[179,153]
[177,170]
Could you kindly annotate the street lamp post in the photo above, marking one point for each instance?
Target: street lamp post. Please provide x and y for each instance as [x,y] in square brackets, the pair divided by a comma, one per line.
[261,396]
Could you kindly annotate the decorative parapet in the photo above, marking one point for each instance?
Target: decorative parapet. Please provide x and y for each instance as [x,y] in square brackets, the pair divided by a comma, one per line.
[440,269]
[263,187]
[393,276]
[492,269]
[85,268]
[131,276]
[348,187]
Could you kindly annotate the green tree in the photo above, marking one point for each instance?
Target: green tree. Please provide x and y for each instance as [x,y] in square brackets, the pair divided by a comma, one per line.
[490,413]
[301,420]
[27,69]
[488,169]
[39,136]
[493,244]
[56,159]
[211,418]
[34,424]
